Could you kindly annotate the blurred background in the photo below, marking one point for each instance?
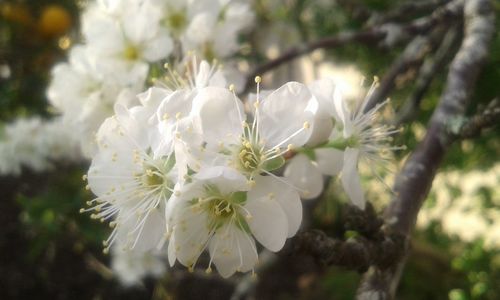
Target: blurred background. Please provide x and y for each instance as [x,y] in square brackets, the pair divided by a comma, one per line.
[50,251]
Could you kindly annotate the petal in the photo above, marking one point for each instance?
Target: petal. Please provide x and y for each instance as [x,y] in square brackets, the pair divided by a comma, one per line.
[329,160]
[190,234]
[226,179]
[324,91]
[159,47]
[171,251]
[219,114]
[232,249]
[284,113]
[304,175]
[268,222]
[285,196]
[350,178]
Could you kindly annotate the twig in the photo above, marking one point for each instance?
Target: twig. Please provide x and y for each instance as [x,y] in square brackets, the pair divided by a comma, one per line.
[429,69]
[357,253]
[487,118]
[414,182]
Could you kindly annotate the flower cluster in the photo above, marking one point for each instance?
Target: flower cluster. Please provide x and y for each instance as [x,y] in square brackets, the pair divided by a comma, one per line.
[126,41]
[191,168]
[36,144]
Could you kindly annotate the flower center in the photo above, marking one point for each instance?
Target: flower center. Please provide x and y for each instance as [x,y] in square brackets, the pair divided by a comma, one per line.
[131,53]
[176,21]
[222,209]
[249,157]
[153,178]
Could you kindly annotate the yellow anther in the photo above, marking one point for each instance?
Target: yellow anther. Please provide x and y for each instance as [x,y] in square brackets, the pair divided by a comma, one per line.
[208,270]
[258,79]
[375,79]
[87,187]
[82,210]
[307,125]
[178,115]
[289,147]
[166,66]
[231,87]
[165,116]
[84,177]
[105,250]
[256,104]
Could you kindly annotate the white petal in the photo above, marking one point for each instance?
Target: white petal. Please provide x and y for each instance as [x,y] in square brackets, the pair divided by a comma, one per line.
[232,250]
[324,91]
[159,47]
[190,235]
[219,114]
[350,178]
[268,223]
[304,175]
[283,113]
[343,112]
[226,179]
[171,251]
[285,195]
[152,233]
[330,160]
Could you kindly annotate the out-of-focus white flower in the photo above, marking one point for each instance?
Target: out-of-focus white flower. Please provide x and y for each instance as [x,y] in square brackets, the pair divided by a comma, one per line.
[85,96]
[210,28]
[220,212]
[130,266]
[125,34]
[36,144]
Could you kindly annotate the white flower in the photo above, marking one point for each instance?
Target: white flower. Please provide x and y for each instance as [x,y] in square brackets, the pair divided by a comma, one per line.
[281,122]
[132,265]
[133,186]
[208,27]
[219,212]
[355,136]
[85,96]
[125,34]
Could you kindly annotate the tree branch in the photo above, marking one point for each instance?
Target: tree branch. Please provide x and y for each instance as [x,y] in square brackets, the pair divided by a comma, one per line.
[414,182]
[427,73]
[389,34]
[412,57]
[405,9]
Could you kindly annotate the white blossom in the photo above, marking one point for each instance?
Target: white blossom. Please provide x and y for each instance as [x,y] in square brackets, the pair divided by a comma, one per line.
[130,266]
[133,186]
[355,136]
[221,213]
